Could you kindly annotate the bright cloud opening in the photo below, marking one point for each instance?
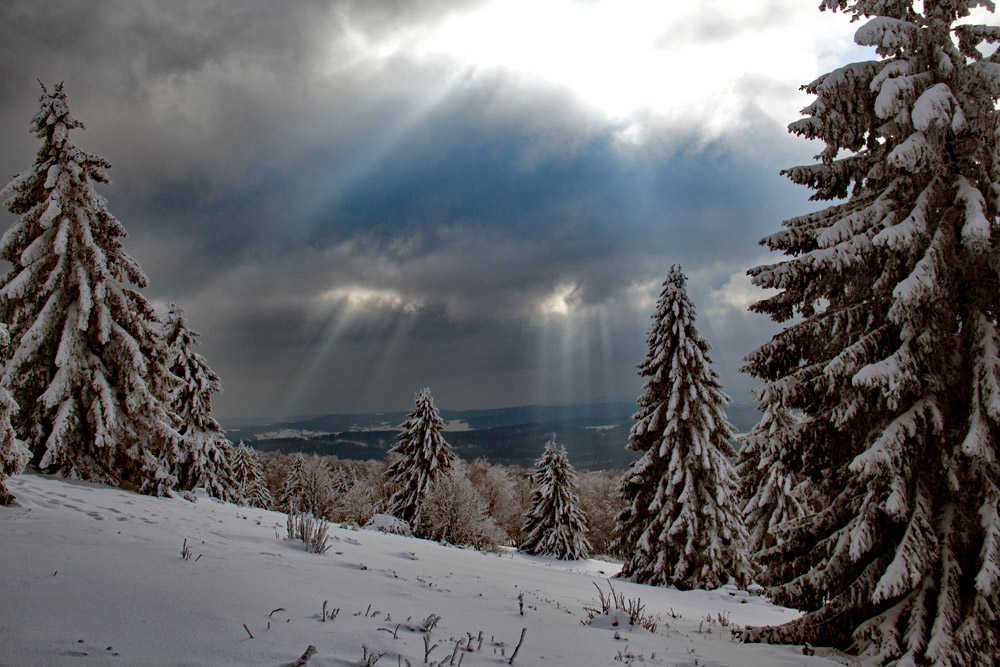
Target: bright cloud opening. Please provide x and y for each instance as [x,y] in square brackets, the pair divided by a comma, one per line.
[645,57]
[370,298]
[736,295]
[560,302]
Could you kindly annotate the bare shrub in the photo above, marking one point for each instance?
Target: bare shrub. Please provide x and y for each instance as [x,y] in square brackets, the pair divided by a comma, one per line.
[615,601]
[601,502]
[455,512]
[507,493]
[310,530]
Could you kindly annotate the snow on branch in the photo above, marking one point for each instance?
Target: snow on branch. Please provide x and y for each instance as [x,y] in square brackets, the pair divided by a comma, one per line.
[889,36]
[937,108]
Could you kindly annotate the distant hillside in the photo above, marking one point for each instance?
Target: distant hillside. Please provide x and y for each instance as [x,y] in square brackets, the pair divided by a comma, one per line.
[594,434]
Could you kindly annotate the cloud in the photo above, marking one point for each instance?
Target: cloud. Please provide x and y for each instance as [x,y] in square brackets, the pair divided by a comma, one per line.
[737,294]
[353,199]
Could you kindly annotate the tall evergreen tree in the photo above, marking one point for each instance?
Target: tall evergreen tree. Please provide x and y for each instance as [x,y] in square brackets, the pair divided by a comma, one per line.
[555,525]
[249,475]
[205,451]
[424,455]
[894,361]
[13,454]
[769,487]
[86,363]
[682,526]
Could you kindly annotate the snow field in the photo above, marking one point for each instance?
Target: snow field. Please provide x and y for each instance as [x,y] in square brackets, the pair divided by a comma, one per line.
[94,576]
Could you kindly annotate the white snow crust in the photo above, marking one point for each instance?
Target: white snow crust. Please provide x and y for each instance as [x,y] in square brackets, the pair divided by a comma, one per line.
[94,575]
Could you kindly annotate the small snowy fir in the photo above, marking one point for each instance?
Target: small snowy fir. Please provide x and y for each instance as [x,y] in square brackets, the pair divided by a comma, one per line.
[86,360]
[682,526]
[770,490]
[205,452]
[891,356]
[248,473]
[13,454]
[555,525]
[308,487]
[424,456]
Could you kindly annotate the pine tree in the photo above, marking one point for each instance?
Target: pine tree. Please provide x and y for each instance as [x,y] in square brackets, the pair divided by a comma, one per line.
[248,474]
[307,487]
[291,487]
[769,488]
[13,454]
[555,525]
[424,455]
[682,526]
[86,363]
[894,363]
[206,451]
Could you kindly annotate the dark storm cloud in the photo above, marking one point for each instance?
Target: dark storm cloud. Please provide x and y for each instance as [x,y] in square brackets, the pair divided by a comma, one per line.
[345,231]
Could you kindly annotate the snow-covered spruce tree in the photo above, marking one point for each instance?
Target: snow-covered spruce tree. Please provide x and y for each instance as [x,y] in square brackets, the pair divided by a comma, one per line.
[682,525]
[554,524]
[13,454]
[424,455]
[86,362]
[769,487]
[248,474]
[205,452]
[291,487]
[894,364]
[307,487]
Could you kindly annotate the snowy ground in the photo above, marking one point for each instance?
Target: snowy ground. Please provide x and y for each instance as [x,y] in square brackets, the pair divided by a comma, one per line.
[94,576]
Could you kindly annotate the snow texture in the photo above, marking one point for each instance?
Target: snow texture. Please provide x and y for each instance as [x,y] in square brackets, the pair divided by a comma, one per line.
[387,523]
[94,576]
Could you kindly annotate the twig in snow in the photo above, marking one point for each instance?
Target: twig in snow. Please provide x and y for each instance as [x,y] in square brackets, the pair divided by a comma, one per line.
[428,623]
[394,633]
[310,652]
[274,611]
[370,658]
[428,648]
[518,647]
[185,552]
[248,630]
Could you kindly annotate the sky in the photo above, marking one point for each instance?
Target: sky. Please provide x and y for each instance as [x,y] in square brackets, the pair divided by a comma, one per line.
[354,199]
